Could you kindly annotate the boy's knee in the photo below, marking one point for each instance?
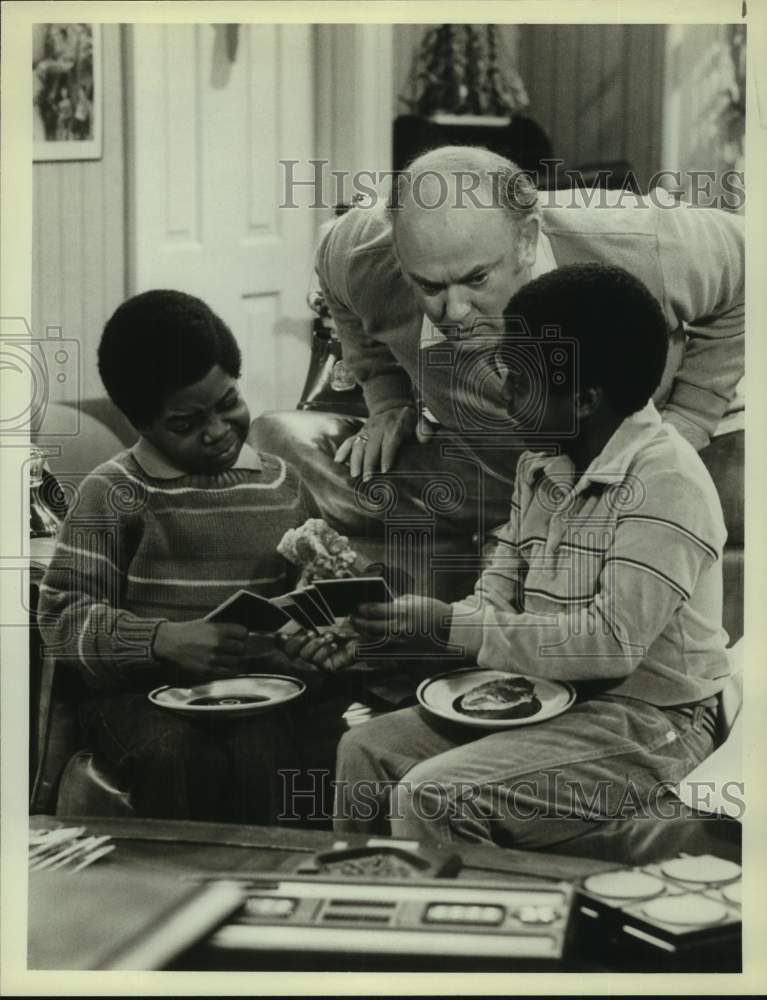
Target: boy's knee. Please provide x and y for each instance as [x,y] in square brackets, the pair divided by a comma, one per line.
[351,748]
[426,806]
[419,810]
[367,741]
[172,745]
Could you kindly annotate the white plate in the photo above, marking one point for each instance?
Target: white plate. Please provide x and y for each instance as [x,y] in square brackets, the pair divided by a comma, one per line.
[437,695]
[246,694]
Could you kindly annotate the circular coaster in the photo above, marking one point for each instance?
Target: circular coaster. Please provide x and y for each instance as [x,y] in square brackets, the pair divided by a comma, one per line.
[733,893]
[624,885]
[688,910]
[701,869]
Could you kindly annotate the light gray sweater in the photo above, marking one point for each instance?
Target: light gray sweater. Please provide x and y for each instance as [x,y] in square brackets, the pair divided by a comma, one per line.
[615,578]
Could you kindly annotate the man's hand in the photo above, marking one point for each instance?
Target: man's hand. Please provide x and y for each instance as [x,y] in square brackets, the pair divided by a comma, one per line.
[326,652]
[417,624]
[374,448]
[205,649]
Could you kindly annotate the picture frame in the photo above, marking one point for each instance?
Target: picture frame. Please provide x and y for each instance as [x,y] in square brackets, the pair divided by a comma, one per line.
[67,91]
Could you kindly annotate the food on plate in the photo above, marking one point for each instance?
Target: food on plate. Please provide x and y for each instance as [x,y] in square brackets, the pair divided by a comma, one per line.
[502,698]
[319,552]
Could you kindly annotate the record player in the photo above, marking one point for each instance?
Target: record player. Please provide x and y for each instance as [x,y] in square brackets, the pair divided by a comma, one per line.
[392,905]
[682,913]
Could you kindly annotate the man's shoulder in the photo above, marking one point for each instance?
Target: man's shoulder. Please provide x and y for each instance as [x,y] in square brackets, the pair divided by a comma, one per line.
[658,216]
[604,212]
[357,266]
[361,231]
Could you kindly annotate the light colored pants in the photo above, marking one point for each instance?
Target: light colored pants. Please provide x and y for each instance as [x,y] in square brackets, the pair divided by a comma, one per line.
[530,787]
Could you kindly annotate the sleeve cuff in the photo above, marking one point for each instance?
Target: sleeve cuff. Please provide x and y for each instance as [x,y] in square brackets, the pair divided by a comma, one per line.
[136,638]
[698,436]
[384,392]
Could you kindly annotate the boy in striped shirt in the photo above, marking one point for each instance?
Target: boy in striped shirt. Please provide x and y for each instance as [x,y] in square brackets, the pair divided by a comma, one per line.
[158,536]
[607,576]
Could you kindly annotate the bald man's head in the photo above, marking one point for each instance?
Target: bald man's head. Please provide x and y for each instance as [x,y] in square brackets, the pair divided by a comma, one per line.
[459,177]
[465,225]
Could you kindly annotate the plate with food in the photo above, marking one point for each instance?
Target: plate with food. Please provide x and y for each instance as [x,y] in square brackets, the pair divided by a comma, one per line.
[243,695]
[494,699]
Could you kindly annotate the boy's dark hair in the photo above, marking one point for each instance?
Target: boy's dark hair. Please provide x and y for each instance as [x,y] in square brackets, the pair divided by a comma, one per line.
[618,324]
[158,342]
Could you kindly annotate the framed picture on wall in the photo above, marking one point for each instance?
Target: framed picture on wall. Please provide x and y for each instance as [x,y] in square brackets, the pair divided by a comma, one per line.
[66,89]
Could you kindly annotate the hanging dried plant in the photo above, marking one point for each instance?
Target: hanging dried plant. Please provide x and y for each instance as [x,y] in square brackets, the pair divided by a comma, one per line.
[459,70]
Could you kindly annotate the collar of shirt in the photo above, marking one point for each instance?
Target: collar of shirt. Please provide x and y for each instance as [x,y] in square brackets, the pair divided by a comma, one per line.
[155,464]
[544,257]
[611,464]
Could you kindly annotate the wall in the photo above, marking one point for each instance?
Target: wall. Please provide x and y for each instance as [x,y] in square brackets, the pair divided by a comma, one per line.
[78,269]
[79,208]
[353,100]
[597,90]
[705,107]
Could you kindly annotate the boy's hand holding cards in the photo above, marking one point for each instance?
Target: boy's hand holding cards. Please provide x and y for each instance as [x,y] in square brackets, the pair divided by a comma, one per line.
[330,651]
[343,597]
[254,612]
[333,650]
[312,608]
[307,608]
[417,624]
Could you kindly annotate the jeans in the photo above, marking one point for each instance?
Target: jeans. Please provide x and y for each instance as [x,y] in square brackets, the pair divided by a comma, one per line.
[177,768]
[529,787]
[215,770]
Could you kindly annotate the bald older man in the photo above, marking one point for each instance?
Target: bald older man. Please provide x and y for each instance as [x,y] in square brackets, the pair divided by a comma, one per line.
[414,286]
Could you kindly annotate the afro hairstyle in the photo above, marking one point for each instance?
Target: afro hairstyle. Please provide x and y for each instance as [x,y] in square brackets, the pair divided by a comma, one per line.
[157,343]
[617,324]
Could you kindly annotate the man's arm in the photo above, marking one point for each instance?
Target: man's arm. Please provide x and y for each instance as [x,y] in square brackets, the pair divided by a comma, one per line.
[385,384]
[650,569]
[702,263]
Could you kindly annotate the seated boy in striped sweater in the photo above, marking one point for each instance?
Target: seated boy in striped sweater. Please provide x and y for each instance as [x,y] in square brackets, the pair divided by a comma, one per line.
[158,537]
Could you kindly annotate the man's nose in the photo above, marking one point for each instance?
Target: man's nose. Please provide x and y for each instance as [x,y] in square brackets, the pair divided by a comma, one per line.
[457,305]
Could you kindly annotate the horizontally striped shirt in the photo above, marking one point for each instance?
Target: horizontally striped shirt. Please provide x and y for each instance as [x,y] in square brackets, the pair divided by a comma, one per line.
[144,543]
[615,577]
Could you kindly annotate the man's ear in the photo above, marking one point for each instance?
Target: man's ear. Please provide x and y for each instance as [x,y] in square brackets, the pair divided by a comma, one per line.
[528,231]
[588,401]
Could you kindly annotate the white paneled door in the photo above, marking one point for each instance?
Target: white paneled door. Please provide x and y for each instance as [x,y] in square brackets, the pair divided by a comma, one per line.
[212,110]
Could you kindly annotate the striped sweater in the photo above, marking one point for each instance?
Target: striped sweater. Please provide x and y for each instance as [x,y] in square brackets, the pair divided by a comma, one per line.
[615,578]
[137,549]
